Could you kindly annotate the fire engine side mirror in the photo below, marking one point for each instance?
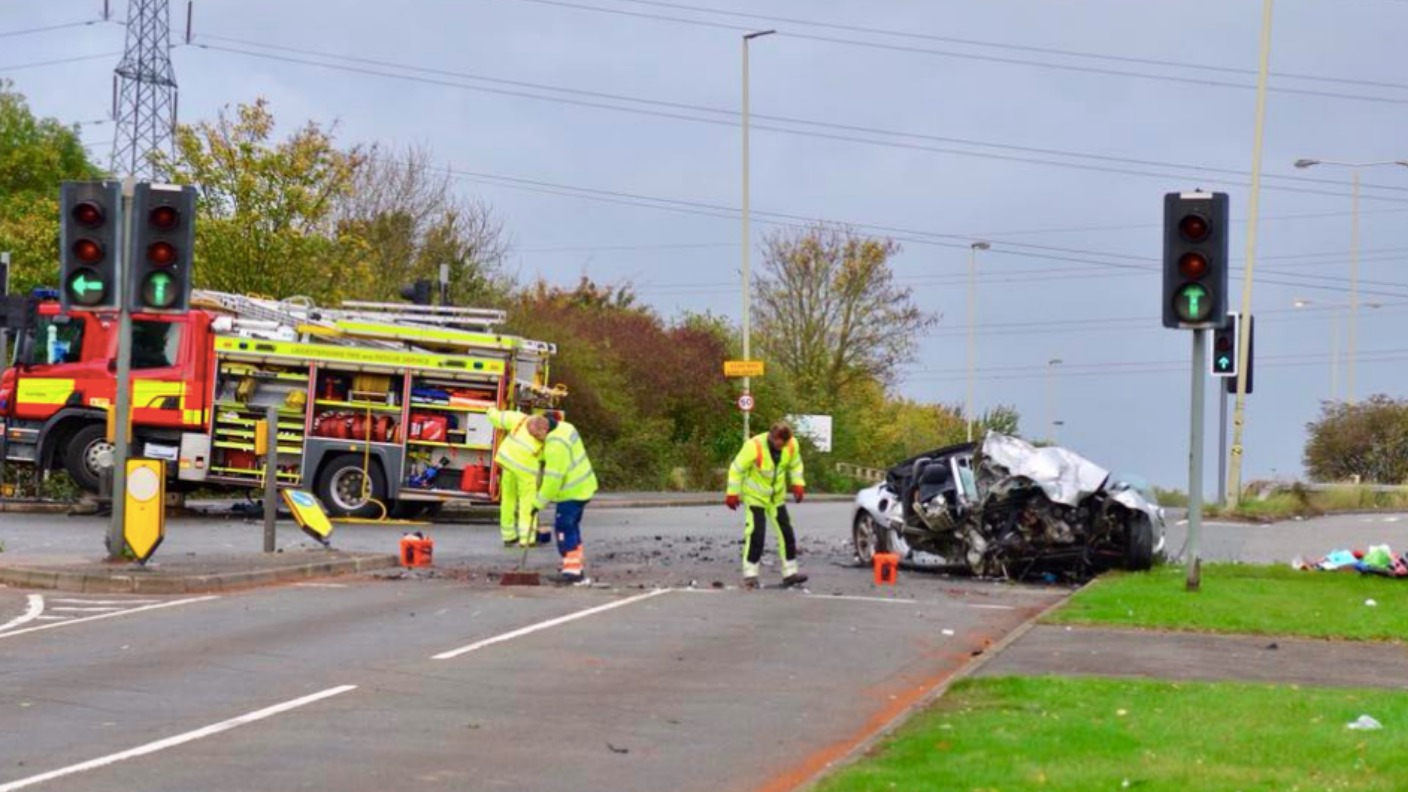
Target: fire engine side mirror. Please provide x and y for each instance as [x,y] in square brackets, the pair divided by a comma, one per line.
[112,365]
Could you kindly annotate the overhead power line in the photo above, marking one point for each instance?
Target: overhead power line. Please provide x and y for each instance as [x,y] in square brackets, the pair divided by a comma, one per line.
[728,117]
[982,57]
[58,61]
[47,28]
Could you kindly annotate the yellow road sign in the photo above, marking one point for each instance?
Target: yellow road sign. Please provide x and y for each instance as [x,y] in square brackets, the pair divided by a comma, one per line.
[144,520]
[743,368]
[309,514]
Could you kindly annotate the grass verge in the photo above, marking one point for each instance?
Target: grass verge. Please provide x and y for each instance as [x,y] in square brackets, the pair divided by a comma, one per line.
[1086,734]
[1297,501]
[1240,598]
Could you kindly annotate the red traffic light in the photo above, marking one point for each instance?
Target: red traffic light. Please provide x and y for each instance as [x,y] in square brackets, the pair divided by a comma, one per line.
[88,251]
[164,218]
[1192,266]
[162,254]
[88,214]
[1194,228]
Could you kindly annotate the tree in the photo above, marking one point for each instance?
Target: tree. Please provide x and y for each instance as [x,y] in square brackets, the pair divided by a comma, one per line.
[411,221]
[829,310]
[35,155]
[267,211]
[1368,440]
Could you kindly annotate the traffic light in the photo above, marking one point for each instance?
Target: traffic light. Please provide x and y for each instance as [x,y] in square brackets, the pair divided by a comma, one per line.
[1251,357]
[1224,348]
[90,214]
[1195,259]
[418,293]
[163,241]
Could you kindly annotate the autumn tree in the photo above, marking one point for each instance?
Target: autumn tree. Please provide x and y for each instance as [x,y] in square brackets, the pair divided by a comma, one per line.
[35,156]
[411,220]
[268,209]
[1367,440]
[830,312]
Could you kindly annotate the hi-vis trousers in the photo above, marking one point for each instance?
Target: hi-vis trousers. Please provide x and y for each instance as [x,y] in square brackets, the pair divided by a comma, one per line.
[756,520]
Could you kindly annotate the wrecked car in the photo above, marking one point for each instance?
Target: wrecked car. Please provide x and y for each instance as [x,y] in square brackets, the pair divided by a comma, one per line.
[1006,508]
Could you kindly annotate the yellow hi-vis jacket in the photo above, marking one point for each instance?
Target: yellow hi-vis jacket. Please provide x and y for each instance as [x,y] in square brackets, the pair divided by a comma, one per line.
[567,473]
[519,451]
[759,482]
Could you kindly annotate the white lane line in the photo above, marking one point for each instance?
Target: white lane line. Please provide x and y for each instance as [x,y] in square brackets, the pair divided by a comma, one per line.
[852,598]
[31,612]
[75,609]
[991,607]
[86,619]
[171,742]
[550,623]
[103,602]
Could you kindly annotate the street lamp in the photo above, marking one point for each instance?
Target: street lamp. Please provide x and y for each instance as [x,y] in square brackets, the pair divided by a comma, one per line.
[747,241]
[972,325]
[1051,421]
[1355,168]
[1336,316]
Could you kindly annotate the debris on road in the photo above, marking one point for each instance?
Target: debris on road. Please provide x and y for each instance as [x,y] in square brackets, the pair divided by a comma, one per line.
[1377,560]
[1364,723]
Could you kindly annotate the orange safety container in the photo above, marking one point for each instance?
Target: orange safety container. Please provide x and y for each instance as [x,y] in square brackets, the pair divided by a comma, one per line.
[887,569]
[475,479]
[417,550]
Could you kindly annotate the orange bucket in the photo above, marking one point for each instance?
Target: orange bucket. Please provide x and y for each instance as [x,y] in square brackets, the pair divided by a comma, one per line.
[887,569]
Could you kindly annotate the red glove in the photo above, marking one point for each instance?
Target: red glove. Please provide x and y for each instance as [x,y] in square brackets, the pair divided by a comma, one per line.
[731,502]
[798,492]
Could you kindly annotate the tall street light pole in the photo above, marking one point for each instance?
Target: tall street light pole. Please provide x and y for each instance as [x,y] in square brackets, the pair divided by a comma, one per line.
[1051,397]
[747,239]
[1337,312]
[1353,329]
[972,327]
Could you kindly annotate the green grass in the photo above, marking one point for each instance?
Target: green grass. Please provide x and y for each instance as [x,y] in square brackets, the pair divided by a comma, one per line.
[1238,598]
[1097,734]
[1283,504]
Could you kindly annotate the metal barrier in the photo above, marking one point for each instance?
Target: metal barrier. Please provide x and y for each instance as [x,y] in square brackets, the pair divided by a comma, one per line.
[860,473]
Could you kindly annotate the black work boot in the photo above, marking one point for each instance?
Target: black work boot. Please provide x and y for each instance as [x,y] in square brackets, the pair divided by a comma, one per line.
[794,579]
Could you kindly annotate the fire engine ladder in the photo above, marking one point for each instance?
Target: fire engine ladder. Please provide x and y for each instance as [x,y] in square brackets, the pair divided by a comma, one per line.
[482,319]
[298,315]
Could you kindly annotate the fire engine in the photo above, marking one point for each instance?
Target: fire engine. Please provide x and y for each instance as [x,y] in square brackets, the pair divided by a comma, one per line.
[378,405]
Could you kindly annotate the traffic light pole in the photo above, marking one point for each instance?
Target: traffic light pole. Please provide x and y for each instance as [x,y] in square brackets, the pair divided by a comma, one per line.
[1195,460]
[116,542]
[1222,446]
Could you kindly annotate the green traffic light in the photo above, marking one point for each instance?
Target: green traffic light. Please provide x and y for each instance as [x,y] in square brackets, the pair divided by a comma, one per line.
[86,288]
[159,290]
[1192,304]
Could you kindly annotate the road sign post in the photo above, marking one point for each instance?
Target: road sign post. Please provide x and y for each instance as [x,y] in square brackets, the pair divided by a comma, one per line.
[745,402]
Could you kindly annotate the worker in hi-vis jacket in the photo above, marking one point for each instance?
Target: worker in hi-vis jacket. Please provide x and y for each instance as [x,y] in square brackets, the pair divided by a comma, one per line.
[765,470]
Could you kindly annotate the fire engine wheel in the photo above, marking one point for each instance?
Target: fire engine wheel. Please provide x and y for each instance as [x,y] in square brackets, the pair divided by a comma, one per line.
[88,456]
[341,487]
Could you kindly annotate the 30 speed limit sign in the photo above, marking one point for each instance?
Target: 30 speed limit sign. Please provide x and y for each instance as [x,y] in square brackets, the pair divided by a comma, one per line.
[745,403]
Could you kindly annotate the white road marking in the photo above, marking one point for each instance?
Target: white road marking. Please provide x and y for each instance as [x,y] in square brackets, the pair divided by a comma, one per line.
[852,598]
[31,612]
[85,619]
[104,602]
[76,609]
[550,623]
[992,607]
[171,742]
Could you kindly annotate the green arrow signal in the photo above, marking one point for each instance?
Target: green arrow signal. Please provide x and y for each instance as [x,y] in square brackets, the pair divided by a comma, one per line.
[81,284]
[1193,303]
[1224,363]
[159,291]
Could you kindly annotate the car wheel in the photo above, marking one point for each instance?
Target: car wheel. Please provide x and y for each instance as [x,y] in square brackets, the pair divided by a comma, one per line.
[1139,555]
[89,456]
[347,491]
[869,538]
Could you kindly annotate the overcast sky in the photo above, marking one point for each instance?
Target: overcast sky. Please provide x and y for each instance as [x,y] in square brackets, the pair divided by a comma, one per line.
[605,134]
